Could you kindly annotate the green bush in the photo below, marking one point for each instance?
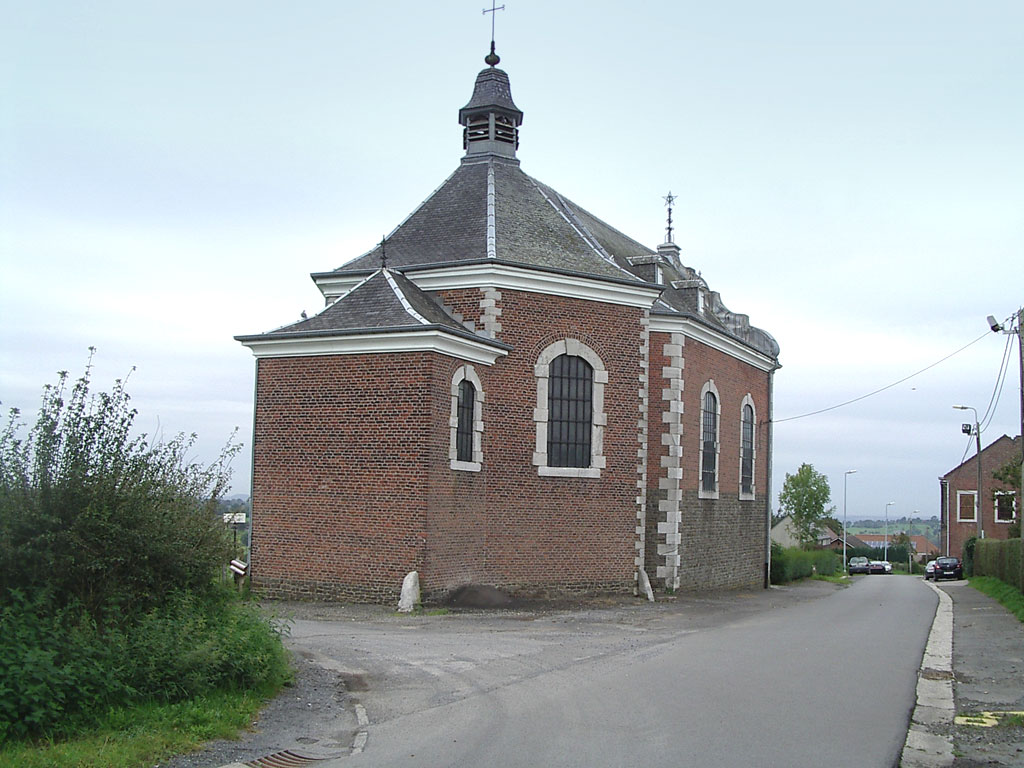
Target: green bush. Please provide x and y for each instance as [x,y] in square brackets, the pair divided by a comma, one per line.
[1000,559]
[110,555]
[968,559]
[794,564]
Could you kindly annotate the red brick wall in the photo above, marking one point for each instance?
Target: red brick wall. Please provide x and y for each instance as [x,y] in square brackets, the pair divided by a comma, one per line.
[965,478]
[340,464]
[534,532]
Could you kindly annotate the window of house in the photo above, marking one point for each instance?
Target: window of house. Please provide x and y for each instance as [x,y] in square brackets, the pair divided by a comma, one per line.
[965,506]
[466,424]
[709,414]
[570,416]
[747,451]
[1006,506]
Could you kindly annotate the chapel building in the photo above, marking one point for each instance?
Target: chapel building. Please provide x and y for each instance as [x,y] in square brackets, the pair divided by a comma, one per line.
[509,391]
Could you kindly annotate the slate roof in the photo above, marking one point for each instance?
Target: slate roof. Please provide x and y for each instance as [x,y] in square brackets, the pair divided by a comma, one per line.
[490,210]
[386,301]
[533,226]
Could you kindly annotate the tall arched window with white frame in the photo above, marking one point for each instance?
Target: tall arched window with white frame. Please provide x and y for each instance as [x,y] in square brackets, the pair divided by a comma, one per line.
[466,421]
[747,453]
[709,443]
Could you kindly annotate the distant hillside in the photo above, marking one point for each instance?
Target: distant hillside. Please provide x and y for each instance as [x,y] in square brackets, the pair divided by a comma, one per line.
[917,526]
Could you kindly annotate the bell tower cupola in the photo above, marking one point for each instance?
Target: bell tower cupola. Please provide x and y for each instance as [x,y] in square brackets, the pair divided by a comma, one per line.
[491,120]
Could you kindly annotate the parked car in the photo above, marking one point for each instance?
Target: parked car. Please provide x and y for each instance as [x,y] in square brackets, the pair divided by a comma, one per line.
[929,570]
[859,565]
[879,566]
[948,567]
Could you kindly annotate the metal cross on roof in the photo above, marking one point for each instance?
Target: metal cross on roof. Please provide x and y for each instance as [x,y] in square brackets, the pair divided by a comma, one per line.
[492,58]
[669,199]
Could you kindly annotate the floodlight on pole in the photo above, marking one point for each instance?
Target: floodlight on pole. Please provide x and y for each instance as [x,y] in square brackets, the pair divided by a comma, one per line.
[1007,328]
[976,429]
[846,474]
[887,505]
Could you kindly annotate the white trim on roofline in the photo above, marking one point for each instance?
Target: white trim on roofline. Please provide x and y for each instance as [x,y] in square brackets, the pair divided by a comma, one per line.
[402,298]
[427,340]
[511,277]
[713,339]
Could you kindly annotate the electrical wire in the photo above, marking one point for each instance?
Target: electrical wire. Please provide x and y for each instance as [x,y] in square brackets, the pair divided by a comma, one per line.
[882,389]
[997,391]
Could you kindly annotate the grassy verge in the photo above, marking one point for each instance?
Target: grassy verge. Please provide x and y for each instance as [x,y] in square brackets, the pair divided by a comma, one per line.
[1007,596]
[143,735]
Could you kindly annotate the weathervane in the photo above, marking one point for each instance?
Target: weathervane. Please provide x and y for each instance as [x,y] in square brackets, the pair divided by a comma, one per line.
[383,252]
[492,58]
[669,199]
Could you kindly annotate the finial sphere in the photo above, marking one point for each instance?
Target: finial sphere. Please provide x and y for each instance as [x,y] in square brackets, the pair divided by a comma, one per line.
[492,59]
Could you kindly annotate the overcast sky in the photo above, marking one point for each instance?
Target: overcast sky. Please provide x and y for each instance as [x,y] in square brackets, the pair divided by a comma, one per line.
[849,174]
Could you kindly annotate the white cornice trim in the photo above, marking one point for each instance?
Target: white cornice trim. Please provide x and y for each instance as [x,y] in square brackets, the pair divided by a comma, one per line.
[427,340]
[698,332]
[509,277]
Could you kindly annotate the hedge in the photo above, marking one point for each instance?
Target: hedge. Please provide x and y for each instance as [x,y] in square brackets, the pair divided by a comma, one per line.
[794,563]
[999,558]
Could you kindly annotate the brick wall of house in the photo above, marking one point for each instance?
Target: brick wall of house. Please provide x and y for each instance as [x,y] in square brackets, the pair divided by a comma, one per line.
[721,541]
[965,478]
[340,463]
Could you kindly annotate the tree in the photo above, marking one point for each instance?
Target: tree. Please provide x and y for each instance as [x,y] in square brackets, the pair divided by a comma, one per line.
[805,498]
[1009,475]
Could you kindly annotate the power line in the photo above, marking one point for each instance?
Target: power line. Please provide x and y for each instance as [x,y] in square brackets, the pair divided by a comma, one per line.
[882,389]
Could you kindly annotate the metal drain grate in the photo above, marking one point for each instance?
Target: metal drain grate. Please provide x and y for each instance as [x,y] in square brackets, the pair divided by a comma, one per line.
[286,759]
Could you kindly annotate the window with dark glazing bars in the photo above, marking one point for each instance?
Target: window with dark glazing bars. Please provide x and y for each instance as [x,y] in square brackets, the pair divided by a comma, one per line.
[709,437]
[747,452]
[464,430]
[570,411]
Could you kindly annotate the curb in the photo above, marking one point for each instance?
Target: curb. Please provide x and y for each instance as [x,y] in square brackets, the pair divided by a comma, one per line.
[935,707]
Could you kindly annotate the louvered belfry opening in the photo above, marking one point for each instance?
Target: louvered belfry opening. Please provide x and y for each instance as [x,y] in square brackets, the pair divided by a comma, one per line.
[491,119]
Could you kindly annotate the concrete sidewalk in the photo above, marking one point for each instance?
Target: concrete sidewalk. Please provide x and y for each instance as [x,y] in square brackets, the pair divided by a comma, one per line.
[973,665]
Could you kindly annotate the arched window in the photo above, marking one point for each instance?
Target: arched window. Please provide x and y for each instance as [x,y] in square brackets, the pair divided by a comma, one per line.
[570,411]
[709,442]
[466,423]
[464,427]
[570,416]
[747,452]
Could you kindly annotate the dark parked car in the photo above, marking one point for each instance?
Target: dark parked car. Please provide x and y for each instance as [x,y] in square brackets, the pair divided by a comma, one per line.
[858,565]
[929,570]
[948,568]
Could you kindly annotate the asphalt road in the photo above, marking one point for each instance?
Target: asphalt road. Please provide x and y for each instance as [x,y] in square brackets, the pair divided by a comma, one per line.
[818,682]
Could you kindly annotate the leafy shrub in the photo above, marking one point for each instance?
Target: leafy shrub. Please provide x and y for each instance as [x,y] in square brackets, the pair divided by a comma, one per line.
[968,558]
[1000,559]
[110,549]
[91,514]
[794,563]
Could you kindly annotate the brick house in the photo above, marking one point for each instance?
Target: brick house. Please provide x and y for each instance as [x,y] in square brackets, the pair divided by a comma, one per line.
[959,494]
[510,391]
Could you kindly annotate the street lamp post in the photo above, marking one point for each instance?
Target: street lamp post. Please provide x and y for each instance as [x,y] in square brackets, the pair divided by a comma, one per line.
[887,505]
[846,474]
[977,437]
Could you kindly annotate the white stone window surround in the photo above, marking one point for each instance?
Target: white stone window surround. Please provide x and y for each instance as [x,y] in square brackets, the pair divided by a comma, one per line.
[542,371]
[467,373]
[748,400]
[1013,506]
[701,493]
[974,517]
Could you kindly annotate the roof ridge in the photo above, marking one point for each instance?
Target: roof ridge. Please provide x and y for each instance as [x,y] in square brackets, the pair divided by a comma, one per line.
[579,226]
[492,238]
[402,223]
[402,298]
